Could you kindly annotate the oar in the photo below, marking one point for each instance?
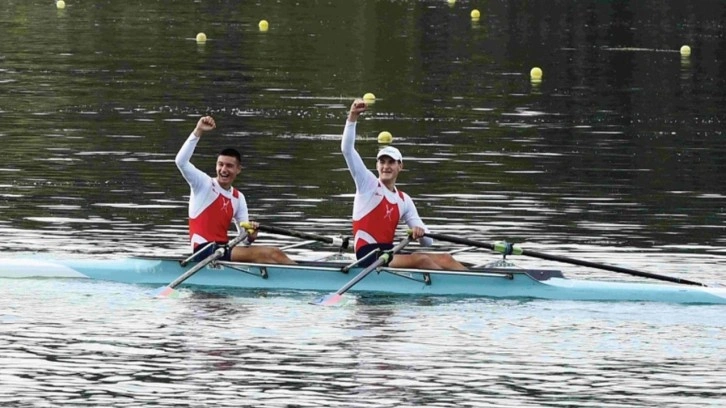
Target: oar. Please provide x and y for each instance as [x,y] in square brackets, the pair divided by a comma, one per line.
[507,249]
[167,290]
[333,298]
[342,242]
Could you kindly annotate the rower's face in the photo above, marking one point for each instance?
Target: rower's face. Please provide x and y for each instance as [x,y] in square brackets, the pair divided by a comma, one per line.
[388,168]
[227,170]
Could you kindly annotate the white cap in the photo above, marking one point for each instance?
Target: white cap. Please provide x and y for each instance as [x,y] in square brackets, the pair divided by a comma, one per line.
[391,152]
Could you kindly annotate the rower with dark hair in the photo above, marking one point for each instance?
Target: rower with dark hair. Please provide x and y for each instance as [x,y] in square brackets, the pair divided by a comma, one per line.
[214,204]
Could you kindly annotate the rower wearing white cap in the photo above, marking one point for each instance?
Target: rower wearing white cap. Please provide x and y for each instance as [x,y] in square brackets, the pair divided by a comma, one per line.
[379,206]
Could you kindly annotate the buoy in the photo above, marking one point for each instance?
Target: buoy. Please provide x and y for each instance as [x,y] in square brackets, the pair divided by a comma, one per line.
[369,98]
[475,14]
[264,25]
[385,137]
[60,4]
[685,51]
[535,74]
[201,38]
[451,2]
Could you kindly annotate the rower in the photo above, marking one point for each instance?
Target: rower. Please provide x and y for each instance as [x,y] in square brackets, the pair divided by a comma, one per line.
[214,203]
[379,206]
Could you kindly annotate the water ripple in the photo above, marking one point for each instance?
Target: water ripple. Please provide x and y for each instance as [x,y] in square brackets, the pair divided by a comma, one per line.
[72,343]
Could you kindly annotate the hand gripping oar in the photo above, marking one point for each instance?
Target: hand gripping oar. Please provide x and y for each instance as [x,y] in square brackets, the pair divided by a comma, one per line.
[342,242]
[510,249]
[384,259]
[167,290]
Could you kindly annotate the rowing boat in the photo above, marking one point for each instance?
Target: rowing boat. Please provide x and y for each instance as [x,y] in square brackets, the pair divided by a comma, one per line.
[503,281]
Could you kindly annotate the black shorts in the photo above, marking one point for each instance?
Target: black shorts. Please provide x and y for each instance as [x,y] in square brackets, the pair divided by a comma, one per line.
[366,249]
[209,251]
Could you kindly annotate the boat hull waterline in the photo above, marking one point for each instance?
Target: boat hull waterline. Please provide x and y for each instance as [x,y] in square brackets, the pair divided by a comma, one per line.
[327,276]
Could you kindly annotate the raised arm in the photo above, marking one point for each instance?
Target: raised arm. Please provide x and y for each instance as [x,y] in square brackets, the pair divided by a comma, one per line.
[191,174]
[364,178]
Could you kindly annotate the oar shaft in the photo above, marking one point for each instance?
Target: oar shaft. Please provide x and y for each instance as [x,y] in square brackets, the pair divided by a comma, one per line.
[462,241]
[519,251]
[383,259]
[612,268]
[216,255]
[378,262]
[300,234]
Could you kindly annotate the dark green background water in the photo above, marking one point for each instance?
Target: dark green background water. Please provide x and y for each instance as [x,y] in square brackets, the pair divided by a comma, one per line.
[620,143]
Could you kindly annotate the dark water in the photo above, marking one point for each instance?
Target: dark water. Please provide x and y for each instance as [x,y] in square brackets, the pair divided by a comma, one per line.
[616,156]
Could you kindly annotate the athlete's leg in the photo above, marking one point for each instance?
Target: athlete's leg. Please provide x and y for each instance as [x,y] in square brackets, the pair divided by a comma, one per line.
[415,260]
[426,260]
[260,254]
[446,261]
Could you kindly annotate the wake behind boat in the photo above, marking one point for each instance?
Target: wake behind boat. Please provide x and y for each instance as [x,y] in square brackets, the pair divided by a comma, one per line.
[327,275]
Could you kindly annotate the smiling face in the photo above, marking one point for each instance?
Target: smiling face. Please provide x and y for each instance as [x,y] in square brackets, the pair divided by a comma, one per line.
[228,167]
[388,170]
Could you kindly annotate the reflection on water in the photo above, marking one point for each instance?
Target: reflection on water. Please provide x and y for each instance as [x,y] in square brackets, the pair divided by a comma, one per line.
[587,155]
[615,157]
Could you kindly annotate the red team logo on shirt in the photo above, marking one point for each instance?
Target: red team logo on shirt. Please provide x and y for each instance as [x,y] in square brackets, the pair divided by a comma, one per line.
[225,204]
[389,213]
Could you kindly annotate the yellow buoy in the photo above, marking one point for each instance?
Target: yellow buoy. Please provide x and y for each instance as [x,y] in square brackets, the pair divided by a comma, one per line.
[264,25]
[535,74]
[451,2]
[60,4]
[369,98]
[685,51]
[475,14]
[385,137]
[201,38]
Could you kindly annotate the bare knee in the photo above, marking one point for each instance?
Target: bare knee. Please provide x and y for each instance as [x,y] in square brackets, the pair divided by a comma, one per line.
[280,257]
[446,261]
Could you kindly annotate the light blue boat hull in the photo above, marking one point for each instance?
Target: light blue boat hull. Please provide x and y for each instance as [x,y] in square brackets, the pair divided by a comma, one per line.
[327,277]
